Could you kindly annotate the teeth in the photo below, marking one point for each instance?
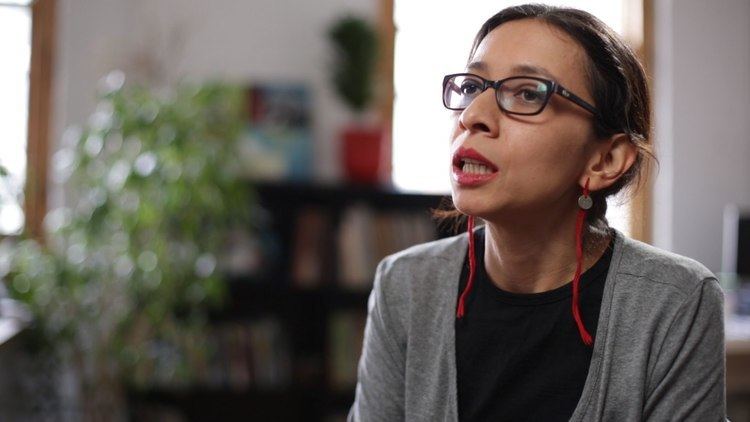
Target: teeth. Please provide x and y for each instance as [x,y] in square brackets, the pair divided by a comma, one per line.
[473,167]
[469,160]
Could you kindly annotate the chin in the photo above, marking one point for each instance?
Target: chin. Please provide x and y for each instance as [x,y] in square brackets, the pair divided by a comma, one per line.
[471,203]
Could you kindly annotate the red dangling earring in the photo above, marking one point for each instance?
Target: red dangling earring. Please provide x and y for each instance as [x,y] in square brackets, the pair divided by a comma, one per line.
[584,203]
[472,269]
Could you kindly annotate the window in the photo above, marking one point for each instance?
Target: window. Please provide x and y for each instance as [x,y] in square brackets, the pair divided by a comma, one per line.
[420,123]
[15,50]
[26,50]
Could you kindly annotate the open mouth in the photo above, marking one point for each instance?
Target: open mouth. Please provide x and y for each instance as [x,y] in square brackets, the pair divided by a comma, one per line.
[470,168]
[469,160]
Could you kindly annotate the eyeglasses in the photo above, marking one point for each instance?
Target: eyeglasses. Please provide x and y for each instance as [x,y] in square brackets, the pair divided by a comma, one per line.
[524,95]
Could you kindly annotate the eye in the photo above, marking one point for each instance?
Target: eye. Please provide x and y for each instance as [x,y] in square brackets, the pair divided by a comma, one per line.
[470,87]
[530,95]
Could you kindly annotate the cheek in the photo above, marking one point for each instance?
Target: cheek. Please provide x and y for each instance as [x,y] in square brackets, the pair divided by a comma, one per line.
[547,153]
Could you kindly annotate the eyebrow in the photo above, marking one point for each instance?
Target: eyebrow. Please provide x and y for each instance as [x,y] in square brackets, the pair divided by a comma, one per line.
[477,66]
[520,69]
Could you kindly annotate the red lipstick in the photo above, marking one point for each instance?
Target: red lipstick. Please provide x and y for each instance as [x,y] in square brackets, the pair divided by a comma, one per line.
[470,156]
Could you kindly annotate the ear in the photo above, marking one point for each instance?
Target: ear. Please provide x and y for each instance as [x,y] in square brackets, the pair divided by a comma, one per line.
[609,160]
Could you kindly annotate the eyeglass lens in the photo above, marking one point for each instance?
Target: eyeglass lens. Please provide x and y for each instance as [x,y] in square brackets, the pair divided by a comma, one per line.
[516,95]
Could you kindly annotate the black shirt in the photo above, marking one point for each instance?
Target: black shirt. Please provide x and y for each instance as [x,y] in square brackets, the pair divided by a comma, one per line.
[519,357]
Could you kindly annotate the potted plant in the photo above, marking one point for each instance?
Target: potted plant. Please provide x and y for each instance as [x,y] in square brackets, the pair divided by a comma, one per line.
[131,266]
[364,147]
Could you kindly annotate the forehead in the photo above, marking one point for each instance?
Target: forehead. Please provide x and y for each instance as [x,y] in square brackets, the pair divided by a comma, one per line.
[529,43]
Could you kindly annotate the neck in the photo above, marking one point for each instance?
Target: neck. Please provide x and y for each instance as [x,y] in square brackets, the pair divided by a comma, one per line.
[538,256]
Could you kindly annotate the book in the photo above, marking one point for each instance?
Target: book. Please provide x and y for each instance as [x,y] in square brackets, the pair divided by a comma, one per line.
[346,330]
[355,245]
[311,246]
[366,237]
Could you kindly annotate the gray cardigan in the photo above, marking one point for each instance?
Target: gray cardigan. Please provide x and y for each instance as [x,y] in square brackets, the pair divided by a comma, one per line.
[658,351]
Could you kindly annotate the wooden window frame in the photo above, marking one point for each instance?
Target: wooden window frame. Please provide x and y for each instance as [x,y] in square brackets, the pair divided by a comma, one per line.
[642,203]
[40,114]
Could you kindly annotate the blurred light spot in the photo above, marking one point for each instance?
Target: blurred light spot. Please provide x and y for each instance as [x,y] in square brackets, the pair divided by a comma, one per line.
[118,175]
[153,279]
[205,265]
[76,253]
[123,266]
[84,208]
[149,112]
[93,146]
[101,119]
[112,82]
[57,219]
[147,261]
[145,164]
[97,196]
[71,136]
[63,165]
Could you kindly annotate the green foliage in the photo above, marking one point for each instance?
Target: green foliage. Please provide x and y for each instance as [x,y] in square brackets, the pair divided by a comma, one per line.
[355,42]
[131,266]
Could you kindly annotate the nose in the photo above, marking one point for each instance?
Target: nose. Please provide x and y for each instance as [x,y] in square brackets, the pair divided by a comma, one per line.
[481,115]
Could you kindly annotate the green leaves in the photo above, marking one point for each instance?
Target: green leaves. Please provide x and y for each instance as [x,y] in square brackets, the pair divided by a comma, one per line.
[153,193]
[355,43]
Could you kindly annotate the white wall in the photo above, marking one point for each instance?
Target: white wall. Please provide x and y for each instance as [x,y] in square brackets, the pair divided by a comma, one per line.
[702,103]
[242,41]
[702,84]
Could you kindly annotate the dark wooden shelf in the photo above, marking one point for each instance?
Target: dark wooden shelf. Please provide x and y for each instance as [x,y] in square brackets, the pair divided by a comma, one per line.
[304,314]
[250,297]
[205,403]
[335,195]
[219,404]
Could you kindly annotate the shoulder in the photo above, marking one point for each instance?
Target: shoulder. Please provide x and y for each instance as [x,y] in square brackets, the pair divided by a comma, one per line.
[442,249]
[424,259]
[421,271]
[670,271]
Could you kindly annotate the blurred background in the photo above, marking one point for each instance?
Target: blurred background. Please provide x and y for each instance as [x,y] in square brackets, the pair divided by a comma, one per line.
[194,195]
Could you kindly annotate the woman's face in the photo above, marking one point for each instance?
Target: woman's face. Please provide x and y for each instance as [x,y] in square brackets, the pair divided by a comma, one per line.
[539,160]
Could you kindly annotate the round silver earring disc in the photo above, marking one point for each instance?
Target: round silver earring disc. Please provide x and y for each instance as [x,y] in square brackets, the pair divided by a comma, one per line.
[585,202]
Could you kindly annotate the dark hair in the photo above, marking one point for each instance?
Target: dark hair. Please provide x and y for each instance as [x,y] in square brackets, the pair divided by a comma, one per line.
[617,82]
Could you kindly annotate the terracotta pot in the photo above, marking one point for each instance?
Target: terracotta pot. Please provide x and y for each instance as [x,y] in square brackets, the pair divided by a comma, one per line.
[365,154]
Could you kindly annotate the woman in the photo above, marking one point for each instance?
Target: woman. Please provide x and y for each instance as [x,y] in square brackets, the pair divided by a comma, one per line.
[544,313]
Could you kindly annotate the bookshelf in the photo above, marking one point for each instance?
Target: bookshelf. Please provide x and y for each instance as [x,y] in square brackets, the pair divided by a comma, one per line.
[285,347]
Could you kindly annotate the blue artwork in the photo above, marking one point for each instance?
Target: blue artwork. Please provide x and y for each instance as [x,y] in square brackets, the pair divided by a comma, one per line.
[278,137]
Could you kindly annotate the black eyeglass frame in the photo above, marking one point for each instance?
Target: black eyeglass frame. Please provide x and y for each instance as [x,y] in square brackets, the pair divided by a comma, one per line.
[552,88]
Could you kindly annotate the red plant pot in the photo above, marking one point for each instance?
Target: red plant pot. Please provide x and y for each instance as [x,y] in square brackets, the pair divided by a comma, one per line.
[365,152]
